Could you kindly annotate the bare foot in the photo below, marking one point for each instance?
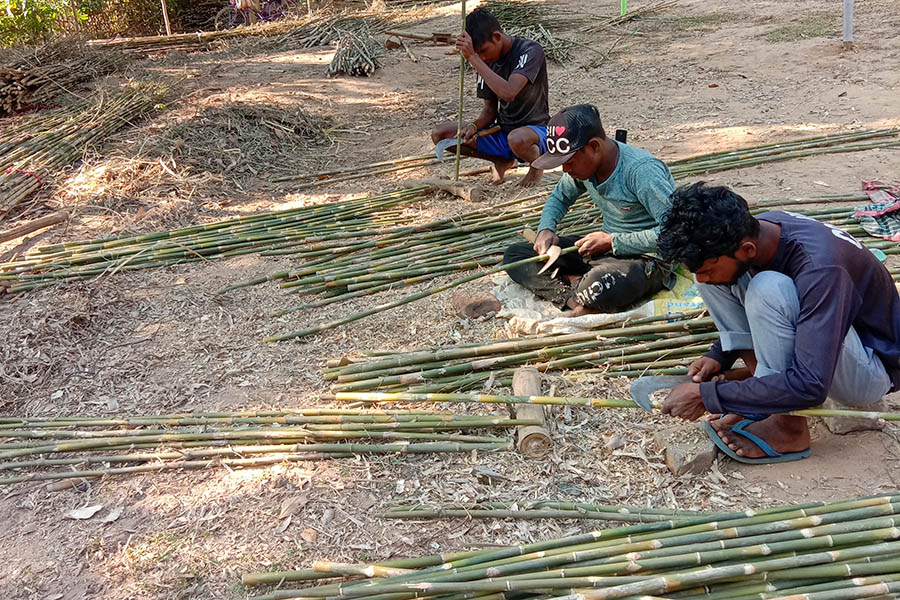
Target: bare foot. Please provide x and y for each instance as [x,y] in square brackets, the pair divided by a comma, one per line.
[532,178]
[723,423]
[498,170]
[785,433]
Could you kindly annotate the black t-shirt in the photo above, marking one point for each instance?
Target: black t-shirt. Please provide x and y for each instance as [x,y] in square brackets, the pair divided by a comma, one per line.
[839,283]
[530,106]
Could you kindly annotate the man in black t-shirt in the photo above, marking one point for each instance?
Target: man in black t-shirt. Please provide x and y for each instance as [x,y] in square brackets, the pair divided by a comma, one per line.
[512,81]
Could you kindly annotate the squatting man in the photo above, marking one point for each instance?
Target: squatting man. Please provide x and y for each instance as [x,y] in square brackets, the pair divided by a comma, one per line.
[809,309]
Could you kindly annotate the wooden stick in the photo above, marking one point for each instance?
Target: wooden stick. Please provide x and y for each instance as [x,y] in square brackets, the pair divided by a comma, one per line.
[22,230]
[470,192]
[165,12]
[533,440]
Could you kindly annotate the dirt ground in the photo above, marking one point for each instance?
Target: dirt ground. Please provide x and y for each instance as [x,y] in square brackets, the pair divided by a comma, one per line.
[698,77]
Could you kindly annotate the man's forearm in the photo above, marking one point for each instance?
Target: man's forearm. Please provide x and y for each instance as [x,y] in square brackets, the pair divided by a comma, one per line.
[501,87]
[634,242]
[485,118]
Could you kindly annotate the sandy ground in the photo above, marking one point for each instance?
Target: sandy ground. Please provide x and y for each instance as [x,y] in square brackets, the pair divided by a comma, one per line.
[700,77]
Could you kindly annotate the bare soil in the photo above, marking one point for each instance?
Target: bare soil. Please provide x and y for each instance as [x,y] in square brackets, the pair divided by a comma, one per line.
[700,77]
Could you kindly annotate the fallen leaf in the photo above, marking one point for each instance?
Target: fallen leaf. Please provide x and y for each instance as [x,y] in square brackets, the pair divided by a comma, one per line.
[84,513]
[309,535]
[284,524]
[112,515]
[714,85]
[292,505]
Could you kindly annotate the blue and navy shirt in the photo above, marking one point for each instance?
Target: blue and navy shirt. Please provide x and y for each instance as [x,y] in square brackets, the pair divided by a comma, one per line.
[840,284]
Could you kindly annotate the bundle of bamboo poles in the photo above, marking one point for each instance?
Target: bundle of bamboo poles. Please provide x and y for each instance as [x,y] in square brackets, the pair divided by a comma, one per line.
[363,218]
[823,550]
[39,75]
[654,345]
[33,153]
[577,222]
[87,447]
[306,32]
[356,54]
[347,249]
[541,509]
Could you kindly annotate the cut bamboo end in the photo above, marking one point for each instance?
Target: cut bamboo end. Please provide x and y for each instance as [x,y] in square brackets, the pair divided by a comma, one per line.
[534,441]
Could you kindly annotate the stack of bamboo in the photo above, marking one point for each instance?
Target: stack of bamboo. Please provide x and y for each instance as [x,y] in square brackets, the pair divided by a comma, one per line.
[86,447]
[36,151]
[577,223]
[645,346]
[542,509]
[350,249]
[307,32]
[356,54]
[276,231]
[46,72]
[824,550]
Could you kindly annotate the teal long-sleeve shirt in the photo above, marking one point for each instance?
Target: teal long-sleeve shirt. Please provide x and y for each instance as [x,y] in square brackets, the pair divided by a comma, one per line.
[633,200]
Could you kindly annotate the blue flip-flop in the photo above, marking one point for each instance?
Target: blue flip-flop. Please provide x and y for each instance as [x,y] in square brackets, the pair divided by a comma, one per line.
[771,455]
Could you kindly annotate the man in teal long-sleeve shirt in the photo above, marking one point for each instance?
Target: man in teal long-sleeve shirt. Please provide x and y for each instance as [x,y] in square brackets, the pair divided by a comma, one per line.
[617,266]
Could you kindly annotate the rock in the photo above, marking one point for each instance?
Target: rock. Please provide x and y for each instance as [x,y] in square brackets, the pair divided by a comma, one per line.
[687,449]
[472,308]
[841,425]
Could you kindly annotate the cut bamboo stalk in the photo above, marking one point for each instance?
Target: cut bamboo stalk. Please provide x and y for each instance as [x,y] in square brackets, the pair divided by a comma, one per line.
[534,441]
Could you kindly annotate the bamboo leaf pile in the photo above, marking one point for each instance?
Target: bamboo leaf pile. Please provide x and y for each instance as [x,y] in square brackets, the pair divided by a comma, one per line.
[95,447]
[32,154]
[848,548]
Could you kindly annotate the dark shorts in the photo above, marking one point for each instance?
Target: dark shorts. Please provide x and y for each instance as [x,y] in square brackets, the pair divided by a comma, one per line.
[607,284]
[496,144]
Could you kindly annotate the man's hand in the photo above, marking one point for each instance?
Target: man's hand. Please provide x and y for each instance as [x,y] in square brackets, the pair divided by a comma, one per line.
[598,242]
[545,238]
[704,368]
[468,133]
[684,401]
[464,45]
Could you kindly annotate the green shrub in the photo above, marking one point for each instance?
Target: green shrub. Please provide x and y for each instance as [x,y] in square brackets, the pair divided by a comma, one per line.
[27,21]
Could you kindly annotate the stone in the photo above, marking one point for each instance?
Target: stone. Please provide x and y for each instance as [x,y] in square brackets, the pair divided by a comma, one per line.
[687,449]
[472,308]
[842,425]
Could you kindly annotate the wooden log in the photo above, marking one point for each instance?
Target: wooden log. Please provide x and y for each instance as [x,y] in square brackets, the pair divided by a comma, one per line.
[533,440]
[470,192]
[21,230]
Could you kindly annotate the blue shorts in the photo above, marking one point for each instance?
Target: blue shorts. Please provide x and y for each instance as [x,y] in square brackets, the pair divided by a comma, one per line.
[496,144]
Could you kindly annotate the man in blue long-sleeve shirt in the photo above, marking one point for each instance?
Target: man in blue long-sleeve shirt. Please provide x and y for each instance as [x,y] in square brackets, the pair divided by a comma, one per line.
[808,308]
[617,266]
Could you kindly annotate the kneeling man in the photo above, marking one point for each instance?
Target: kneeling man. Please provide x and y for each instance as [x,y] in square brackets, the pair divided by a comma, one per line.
[808,308]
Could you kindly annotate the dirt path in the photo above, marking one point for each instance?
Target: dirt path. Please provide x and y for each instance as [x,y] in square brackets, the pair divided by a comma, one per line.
[701,77]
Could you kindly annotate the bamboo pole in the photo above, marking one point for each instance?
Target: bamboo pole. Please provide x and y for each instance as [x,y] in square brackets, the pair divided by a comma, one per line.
[462,81]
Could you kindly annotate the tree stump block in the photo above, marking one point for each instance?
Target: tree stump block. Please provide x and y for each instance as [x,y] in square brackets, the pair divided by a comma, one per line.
[687,449]
[533,440]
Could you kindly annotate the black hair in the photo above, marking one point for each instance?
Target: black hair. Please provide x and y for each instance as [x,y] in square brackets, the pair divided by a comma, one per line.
[481,25]
[704,222]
